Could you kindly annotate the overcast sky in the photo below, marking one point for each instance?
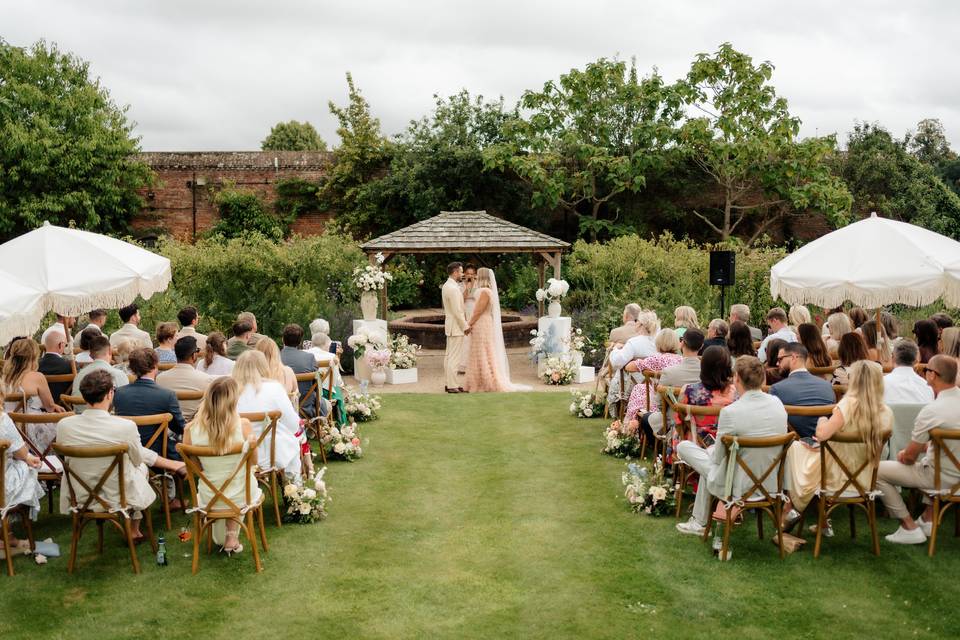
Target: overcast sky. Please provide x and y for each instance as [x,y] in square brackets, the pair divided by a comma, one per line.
[216,75]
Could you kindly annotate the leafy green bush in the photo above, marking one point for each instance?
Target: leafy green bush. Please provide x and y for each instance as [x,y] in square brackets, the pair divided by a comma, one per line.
[242,213]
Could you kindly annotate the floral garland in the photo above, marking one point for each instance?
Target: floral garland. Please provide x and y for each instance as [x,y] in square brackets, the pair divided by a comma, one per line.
[586,404]
[403,353]
[360,407]
[619,442]
[649,493]
[371,277]
[558,370]
[342,442]
[306,503]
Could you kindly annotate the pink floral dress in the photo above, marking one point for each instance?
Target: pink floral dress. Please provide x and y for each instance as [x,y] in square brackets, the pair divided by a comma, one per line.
[638,397]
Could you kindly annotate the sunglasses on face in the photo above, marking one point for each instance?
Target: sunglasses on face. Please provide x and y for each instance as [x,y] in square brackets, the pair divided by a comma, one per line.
[927,370]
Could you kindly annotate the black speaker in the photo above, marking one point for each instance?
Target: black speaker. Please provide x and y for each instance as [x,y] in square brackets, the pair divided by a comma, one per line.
[722,268]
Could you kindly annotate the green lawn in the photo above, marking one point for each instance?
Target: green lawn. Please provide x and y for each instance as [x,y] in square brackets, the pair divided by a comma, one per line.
[486,516]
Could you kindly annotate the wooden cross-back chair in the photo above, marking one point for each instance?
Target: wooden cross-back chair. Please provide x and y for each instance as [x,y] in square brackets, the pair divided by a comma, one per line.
[267,472]
[757,497]
[96,508]
[188,396]
[60,378]
[72,402]
[851,493]
[221,507]
[668,399]
[943,498]
[7,509]
[159,477]
[839,390]
[314,397]
[50,473]
[812,411]
[166,366]
[687,430]
[823,371]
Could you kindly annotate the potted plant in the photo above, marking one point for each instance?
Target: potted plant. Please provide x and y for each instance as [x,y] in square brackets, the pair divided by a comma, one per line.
[362,340]
[403,360]
[379,360]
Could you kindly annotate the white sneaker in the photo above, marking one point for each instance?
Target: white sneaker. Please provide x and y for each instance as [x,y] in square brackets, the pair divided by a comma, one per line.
[907,536]
[925,526]
[690,527]
[827,531]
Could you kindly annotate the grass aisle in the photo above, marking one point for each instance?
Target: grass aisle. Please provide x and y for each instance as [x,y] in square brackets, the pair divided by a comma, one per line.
[486,516]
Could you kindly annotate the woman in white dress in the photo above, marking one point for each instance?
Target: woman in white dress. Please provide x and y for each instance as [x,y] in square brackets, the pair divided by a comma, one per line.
[258,393]
[218,424]
[469,286]
[487,365]
[21,486]
[21,377]
[215,361]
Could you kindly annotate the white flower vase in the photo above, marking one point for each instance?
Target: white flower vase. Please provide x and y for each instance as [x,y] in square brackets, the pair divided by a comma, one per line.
[368,305]
[553,309]
[378,377]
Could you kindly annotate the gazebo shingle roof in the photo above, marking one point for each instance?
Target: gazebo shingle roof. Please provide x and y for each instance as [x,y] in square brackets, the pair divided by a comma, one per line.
[465,232]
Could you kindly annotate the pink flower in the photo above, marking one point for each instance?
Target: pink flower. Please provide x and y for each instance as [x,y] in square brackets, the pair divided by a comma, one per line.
[555,377]
[355,442]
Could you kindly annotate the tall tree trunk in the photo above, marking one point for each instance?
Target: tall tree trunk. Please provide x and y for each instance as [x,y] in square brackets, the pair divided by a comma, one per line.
[725,231]
[596,216]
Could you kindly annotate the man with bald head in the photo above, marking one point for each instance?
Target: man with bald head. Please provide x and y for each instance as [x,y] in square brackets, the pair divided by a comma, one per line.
[54,364]
[914,465]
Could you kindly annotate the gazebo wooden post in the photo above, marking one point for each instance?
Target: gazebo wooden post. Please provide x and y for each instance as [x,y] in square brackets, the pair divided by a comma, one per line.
[541,280]
[383,292]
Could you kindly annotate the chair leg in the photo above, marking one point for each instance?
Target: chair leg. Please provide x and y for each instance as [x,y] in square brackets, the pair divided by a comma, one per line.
[50,497]
[28,526]
[934,525]
[263,531]
[165,501]
[643,442]
[759,523]
[248,528]
[706,529]
[872,523]
[727,526]
[956,521]
[276,496]
[7,551]
[153,540]
[74,543]
[680,477]
[778,523]
[821,523]
[853,522]
[197,532]
[128,531]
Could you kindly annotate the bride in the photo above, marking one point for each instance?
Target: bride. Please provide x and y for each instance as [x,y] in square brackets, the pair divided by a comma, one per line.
[487,366]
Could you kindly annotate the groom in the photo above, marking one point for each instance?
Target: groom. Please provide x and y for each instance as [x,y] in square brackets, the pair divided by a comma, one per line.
[454,326]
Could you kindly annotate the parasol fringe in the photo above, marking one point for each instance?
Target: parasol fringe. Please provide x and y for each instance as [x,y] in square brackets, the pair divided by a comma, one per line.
[67,305]
[868,299]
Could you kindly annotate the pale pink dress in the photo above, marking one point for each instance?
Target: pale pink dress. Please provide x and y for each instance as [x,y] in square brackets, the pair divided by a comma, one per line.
[483,374]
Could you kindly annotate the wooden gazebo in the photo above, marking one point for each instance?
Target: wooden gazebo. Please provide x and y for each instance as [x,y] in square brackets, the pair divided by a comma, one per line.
[470,233]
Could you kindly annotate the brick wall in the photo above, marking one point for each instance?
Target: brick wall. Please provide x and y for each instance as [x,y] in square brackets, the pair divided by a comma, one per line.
[186,184]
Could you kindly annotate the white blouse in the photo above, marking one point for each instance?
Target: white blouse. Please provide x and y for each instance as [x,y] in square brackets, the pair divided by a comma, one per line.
[220,366]
[270,397]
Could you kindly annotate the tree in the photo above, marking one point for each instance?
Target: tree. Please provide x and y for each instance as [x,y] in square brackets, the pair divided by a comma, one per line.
[929,143]
[67,151]
[293,136]
[592,136]
[746,141]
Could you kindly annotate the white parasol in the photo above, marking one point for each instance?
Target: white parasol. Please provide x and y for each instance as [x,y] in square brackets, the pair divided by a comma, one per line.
[71,272]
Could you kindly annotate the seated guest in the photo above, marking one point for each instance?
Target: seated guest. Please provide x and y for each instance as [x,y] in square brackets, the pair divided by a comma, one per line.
[942,320]
[639,346]
[184,375]
[102,355]
[950,342]
[801,388]
[215,361]
[777,319]
[739,340]
[890,326]
[321,351]
[251,319]
[21,486]
[21,377]
[52,363]
[121,355]
[218,425]
[688,371]
[797,316]
[279,371]
[319,325]
[838,325]
[741,313]
[189,319]
[716,334]
[913,470]
[83,356]
[860,412]
[754,415]
[772,364]
[852,348]
[240,341]
[98,318]
[928,338]
[63,325]
[879,348]
[299,361]
[621,334]
[143,397]
[817,353]
[714,389]
[903,385]
[666,356]
[684,318]
[97,428]
[166,337]
[857,316]
[258,393]
[130,315]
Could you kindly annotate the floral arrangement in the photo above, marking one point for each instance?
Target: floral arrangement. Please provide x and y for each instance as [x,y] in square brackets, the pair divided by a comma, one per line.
[371,277]
[364,338]
[620,442]
[360,407]
[403,353]
[586,404]
[378,359]
[554,292]
[649,493]
[537,344]
[576,340]
[306,503]
[342,442]
[558,370]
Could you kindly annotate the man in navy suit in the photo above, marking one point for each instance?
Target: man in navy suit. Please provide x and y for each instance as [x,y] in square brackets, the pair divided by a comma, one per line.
[144,397]
[801,388]
[54,364]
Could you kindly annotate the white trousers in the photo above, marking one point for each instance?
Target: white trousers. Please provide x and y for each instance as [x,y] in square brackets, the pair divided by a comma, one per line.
[698,458]
[892,475]
[451,361]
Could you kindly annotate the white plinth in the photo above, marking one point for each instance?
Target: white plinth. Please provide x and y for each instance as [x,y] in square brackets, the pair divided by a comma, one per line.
[554,330]
[401,376]
[370,325]
[585,374]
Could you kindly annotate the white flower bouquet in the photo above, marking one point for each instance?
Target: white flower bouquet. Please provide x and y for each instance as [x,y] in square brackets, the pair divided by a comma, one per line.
[586,404]
[360,407]
[378,359]
[648,492]
[308,502]
[403,353]
[342,442]
[558,370]
[371,277]
[619,442]
[365,338]
[554,291]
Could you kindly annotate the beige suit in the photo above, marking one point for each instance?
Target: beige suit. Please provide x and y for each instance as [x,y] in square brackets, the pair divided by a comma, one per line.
[97,428]
[129,331]
[190,331]
[183,377]
[455,323]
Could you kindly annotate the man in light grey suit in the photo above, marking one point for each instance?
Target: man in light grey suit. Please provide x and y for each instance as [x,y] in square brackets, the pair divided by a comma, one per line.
[754,415]
[801,388]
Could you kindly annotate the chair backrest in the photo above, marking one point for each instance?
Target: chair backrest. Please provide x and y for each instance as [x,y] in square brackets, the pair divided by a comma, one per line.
[839,390]
[325,375]
[189,395]
[21,420]
[687,413]
[166,366]
[192,456]
[114,453]
[904,416]
[812,411]
[313,393]
[72,402]
[823,371]
[669,397]
[4,445]
[160,422]
[269,420]
[941,439]
[20,398]
[757,490]
[650,380]
[851,481]
[60,378]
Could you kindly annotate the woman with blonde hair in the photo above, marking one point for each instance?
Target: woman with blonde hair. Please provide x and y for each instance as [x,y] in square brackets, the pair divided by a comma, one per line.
[21,378]
[279,371]
[838,325]
[862,412]
[684,318]
[215,361]
[797,316]
[487,365]
[121,354]
[218,425]
[950,342]
[261,393]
